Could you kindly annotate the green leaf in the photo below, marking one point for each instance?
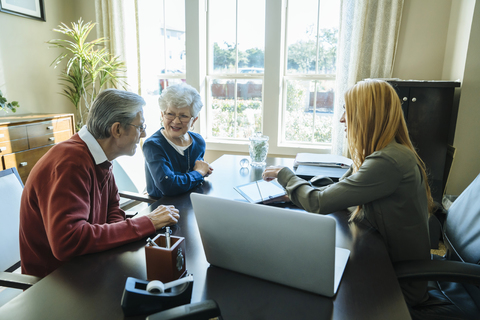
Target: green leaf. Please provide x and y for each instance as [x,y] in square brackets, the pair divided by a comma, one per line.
[4,105]
[89,67]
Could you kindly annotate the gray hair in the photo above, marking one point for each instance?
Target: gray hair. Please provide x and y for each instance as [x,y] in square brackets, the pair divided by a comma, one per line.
[110,106]
[181,96]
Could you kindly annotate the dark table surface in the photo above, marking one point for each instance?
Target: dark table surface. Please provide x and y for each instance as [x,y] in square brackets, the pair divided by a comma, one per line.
[91,286]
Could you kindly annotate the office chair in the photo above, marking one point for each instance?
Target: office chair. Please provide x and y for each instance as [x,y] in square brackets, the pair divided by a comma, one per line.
[130,193]
[11,188]
[454,279]
[127,188]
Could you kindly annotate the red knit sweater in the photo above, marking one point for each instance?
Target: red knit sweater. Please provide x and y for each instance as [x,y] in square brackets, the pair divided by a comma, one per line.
[70,207]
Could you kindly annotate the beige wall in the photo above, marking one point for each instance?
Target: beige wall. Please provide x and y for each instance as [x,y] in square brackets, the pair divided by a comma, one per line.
[457,39]
[435,43]
[25,72]
[84,9]
[466,165]
[422,40]
[440,40]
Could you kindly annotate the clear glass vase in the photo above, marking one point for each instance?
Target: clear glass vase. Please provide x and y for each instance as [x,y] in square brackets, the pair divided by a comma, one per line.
[258,149]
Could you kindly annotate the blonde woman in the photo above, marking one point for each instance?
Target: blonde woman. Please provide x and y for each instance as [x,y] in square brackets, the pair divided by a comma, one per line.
[387,181]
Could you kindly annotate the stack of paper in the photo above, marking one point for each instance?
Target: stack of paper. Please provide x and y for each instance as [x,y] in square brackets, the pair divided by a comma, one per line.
[322,160]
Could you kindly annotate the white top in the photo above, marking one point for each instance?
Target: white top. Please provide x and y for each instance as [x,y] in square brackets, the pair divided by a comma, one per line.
[180,149]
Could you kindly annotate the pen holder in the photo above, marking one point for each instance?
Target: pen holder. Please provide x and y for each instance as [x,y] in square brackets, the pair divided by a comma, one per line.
[165,264]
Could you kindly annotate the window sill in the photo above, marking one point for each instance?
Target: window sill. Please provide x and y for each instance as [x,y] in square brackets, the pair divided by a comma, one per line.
[286,149]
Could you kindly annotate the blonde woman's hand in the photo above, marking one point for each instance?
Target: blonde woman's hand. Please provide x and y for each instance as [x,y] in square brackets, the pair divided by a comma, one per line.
[271,173]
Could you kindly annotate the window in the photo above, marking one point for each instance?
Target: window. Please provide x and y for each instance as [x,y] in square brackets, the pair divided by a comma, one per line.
[309,80]
[161,30]
[285,89]
[296,113]
[236,42]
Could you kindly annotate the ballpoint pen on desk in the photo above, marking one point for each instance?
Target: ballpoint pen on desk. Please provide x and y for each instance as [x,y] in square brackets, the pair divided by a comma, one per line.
[258,187]
[167,237]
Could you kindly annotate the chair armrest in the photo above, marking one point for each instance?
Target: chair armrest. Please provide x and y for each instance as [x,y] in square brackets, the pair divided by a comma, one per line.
[137,196]
[17,281]
[200,310]
[438,270]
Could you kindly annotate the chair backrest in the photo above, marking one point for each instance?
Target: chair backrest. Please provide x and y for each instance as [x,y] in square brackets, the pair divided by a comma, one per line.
[462,226]
[122,179]
[11,188]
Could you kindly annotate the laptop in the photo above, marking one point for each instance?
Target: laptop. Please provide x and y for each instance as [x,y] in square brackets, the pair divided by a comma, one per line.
[290,247]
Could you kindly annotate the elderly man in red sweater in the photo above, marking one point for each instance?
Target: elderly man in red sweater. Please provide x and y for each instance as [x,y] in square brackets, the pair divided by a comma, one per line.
[70,204]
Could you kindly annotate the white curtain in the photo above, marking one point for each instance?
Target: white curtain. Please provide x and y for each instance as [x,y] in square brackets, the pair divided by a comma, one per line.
[368,38]
[116,20]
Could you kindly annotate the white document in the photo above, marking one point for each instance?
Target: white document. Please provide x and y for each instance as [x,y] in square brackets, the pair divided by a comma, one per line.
[327,160]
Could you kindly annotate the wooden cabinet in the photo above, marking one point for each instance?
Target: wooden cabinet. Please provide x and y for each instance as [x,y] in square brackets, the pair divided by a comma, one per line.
[26,138]
[431,117]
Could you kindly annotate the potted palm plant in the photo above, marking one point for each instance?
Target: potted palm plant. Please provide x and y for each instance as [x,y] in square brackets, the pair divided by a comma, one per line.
[89,69]
[5,105]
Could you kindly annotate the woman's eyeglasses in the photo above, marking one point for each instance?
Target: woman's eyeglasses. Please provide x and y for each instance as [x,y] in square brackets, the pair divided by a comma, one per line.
[183,118]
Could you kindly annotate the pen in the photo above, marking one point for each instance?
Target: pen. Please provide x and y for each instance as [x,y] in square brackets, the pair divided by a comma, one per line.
[258,187]
[167,237]
[152,243]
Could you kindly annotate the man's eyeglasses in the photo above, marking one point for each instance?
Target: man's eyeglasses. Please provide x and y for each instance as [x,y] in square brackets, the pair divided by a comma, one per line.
[183,118]
[142,127]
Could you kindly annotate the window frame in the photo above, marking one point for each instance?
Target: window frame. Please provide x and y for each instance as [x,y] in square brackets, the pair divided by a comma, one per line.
[274,77]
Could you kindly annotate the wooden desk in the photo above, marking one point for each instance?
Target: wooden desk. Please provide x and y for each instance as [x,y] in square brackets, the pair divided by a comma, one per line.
[91,286]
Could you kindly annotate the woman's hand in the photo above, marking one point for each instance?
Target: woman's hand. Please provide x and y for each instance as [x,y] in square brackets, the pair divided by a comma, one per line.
[164,216]
[271,173]
[280,199]
[203,168]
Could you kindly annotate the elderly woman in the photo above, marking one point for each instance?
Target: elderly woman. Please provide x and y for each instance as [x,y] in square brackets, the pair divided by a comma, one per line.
[174,155]
[387,181]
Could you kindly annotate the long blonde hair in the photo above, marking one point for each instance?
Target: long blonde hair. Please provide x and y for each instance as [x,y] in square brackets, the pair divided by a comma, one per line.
[374,118]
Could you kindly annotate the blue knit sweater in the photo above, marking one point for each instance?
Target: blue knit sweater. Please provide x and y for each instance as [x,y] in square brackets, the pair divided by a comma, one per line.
[167,172]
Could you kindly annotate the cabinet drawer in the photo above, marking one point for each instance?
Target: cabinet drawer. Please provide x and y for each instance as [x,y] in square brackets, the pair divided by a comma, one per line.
[47,127]
[47,139]
[24,160]
[12,133]
[13,146]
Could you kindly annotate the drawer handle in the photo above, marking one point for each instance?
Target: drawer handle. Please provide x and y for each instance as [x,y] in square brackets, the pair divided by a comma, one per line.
[2,135]
[414,99]
[50,128]
[3,148]
[405,99]
[51,139]
[23,164]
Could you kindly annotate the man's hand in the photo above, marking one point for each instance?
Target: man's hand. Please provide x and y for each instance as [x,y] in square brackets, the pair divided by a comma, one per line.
[271,173]
[164,216]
